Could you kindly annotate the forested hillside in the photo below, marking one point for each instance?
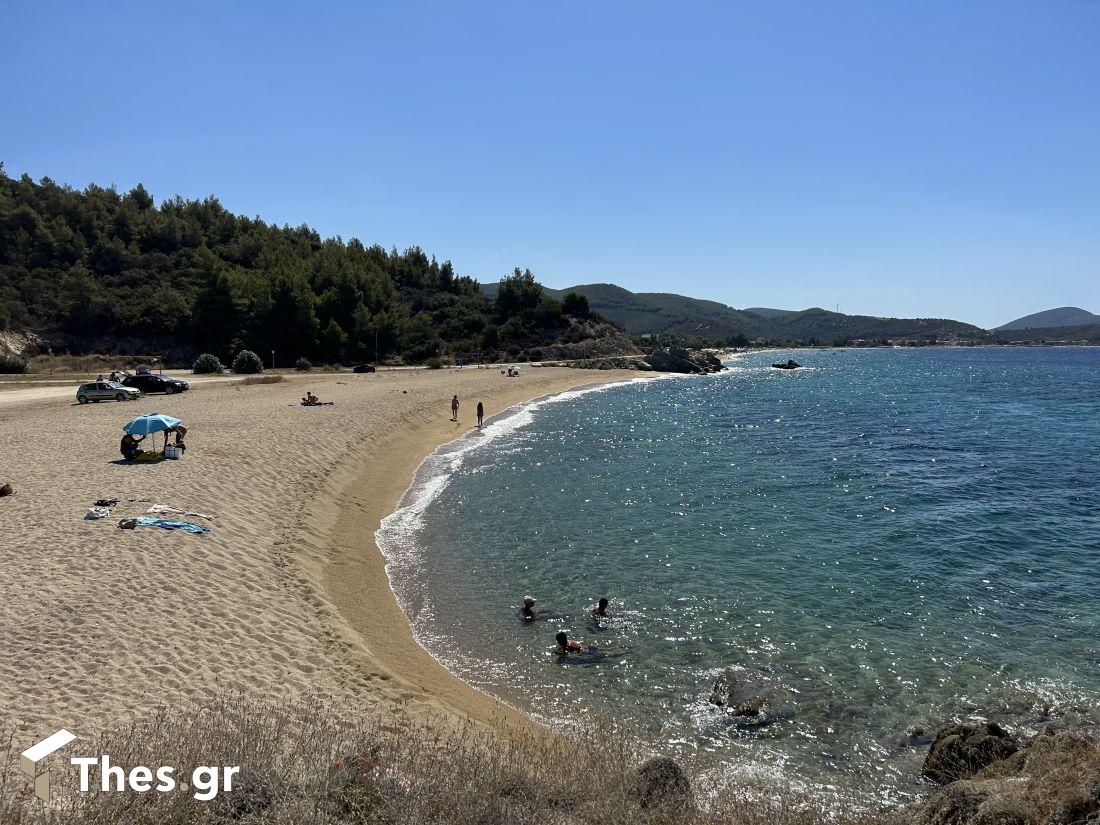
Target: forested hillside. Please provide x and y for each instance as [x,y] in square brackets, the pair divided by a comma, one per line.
[695,320]
[96,270]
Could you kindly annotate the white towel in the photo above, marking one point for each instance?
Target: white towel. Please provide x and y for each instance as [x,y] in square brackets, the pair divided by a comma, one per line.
[164,508]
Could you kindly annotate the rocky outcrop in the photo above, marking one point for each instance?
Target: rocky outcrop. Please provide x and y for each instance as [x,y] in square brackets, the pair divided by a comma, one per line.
[960,751]
[790,365]
[661,783]
[677,359]
[670,359]
[989,777]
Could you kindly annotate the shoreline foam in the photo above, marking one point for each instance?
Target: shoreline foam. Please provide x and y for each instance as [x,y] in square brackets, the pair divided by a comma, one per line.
[395,537]
[358,581]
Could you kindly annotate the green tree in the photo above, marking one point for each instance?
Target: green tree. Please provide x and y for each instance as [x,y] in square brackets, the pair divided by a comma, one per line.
[334,343]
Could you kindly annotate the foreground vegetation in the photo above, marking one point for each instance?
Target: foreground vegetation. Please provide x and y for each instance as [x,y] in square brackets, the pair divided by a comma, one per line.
[313,764]
[309,765]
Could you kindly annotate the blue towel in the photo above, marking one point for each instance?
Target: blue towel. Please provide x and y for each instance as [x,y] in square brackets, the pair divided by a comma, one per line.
[187,526]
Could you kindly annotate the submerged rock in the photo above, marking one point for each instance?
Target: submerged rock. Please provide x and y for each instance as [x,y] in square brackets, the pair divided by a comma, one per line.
[752,700]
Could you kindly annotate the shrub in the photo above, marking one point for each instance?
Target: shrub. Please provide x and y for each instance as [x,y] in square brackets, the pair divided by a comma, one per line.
[247,363]
[433,364]
[303,365]
[13,364]
[207,364]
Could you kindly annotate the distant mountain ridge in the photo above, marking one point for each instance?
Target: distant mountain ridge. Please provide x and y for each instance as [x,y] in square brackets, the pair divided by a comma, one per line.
[1052,318]
[694,319]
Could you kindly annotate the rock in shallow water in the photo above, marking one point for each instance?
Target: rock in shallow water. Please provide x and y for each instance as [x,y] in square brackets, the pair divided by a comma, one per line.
[753,701]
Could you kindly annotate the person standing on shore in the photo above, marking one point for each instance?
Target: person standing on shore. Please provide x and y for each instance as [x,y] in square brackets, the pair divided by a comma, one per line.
[454,408]
[480,413]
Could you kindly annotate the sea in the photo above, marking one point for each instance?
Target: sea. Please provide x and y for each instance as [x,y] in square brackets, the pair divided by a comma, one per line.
[867,548]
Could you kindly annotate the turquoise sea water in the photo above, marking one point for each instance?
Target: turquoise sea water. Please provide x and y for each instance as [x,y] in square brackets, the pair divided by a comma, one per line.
[886,539]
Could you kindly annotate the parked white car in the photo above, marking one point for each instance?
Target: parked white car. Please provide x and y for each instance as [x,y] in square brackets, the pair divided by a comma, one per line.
[106,391]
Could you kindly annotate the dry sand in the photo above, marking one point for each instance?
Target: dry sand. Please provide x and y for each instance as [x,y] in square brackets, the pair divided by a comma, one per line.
[286,598]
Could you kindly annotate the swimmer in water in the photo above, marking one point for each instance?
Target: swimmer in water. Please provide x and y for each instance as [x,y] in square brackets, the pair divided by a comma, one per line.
[528,612]
[600,610]
[565,647]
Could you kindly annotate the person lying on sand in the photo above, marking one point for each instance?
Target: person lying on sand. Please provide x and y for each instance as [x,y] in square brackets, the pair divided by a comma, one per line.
[528,612]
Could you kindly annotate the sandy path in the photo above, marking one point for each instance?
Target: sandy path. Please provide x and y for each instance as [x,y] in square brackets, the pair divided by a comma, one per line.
[18,394]
[286,597]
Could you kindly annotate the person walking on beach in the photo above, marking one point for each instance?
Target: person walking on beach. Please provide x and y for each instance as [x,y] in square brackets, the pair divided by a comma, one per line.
[480,413]
[454,408]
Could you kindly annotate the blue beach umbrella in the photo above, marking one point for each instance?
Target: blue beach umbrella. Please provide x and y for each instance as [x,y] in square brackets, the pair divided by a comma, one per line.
[150,423]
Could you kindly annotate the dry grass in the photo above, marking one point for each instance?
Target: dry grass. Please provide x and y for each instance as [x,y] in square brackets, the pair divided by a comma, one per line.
[307,765]
[261,379]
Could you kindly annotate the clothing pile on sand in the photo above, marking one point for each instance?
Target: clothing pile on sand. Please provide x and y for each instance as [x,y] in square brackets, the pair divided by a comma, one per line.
[102,509]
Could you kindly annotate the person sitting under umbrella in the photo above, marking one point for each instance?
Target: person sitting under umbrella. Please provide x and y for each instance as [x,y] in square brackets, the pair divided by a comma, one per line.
[129,446]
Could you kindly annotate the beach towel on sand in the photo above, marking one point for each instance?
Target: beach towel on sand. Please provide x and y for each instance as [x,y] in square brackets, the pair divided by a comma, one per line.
[164,508]
[146,521]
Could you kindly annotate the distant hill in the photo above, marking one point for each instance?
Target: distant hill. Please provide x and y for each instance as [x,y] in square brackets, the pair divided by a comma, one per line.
[693,319]
[1051,318]
[769,313]
[1081,334]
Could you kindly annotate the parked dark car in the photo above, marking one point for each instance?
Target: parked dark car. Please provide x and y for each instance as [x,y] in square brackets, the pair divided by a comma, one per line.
[364,368]
[156,383]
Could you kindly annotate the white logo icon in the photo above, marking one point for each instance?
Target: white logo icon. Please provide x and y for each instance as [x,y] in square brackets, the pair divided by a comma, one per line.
[31,761]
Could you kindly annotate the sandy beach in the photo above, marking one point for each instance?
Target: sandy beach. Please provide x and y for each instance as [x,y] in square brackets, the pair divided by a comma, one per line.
[285,598]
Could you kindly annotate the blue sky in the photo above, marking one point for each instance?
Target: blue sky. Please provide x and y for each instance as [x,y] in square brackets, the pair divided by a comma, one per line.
[932,158]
